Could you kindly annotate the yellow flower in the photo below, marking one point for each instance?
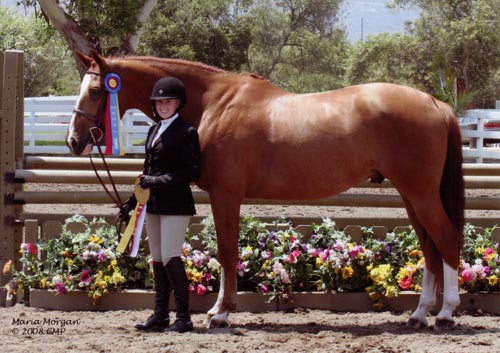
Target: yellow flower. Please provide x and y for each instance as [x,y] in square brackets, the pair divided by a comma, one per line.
[118,278]
[380,274]
[391,292]
[319,262]
[114,263]
[43,283]
[7,267]
[417,288]
[347,272]
[95,239]
[493,280]
[69,261]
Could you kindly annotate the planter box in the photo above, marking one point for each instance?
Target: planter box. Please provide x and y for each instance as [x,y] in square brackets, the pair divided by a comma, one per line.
[252,302]
[137,300]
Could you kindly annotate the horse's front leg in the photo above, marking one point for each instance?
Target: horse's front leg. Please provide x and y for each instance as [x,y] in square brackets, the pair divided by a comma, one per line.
[226,212]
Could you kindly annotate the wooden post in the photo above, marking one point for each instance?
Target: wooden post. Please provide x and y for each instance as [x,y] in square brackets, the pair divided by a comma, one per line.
[11,154]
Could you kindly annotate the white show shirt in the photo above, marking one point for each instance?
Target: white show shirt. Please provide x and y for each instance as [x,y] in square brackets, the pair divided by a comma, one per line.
[165,123]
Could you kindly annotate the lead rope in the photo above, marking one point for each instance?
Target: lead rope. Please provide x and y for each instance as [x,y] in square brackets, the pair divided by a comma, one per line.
[116,198]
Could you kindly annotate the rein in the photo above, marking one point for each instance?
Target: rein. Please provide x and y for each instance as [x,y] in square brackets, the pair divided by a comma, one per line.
[116,197]
[93,132]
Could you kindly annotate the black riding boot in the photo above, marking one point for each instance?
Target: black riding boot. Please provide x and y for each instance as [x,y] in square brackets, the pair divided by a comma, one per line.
[179,282]
[159,320]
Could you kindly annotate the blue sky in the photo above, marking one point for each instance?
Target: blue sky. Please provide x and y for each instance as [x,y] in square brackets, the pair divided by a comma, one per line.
[376,18]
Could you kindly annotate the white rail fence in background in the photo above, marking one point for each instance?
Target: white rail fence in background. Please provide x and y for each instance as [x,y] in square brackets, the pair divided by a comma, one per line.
[481,127]
[47,119]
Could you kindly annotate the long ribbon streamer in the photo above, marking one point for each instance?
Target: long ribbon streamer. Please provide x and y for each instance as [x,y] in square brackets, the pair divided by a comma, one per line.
[136,224]
[114,136]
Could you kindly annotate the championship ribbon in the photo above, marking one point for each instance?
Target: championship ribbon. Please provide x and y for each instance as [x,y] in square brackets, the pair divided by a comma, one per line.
[134,227]
[114,137]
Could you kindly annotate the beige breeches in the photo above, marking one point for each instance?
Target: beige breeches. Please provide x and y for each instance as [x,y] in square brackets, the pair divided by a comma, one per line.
[166,235]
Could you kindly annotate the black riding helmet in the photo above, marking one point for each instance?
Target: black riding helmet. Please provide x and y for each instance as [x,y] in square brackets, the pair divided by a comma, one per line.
[168,87]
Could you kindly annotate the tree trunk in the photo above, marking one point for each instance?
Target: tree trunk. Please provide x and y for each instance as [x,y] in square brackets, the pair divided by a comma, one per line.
[67,28]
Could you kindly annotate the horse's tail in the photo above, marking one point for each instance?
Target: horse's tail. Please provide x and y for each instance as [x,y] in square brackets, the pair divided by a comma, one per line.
[452,182]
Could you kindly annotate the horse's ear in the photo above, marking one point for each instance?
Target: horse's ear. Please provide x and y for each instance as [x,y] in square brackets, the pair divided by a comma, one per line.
[100,61]
[83,59]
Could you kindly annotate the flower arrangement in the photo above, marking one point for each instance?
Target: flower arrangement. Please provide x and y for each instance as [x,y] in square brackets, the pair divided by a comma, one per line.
[81,261]
[274,263]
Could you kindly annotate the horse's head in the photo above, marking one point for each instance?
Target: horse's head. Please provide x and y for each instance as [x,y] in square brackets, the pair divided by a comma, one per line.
[89,114]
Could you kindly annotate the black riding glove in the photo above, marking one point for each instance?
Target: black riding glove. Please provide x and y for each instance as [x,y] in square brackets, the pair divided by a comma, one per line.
[123,213]
[148,181]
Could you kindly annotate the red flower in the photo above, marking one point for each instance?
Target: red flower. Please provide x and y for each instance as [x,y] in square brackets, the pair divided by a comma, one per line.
[31,248]
[406,282]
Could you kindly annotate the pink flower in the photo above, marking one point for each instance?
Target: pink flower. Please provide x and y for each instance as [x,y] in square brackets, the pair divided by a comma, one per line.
[201,289]
[355,251]
[468,274]
[85,276]
[207,276]
[294,256]
[60,287]
[191,288]
[263,289]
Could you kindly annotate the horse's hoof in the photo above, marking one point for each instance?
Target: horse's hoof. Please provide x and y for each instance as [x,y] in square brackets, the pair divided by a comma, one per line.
[415,324]
[214,323]
[443,324]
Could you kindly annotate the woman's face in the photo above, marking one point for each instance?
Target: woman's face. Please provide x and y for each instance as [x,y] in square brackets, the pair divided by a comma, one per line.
[167,107]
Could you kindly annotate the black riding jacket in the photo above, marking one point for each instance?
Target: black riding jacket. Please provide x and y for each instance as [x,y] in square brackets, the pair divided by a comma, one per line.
[174,159]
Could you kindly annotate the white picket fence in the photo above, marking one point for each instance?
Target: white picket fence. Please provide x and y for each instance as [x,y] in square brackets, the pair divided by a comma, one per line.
[472,125]
[47,119]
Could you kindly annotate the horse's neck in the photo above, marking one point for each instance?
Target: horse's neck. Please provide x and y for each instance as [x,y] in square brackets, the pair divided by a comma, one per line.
[142,78]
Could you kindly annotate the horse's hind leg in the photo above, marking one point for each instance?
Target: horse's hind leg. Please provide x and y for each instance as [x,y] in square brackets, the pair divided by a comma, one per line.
[427,299]
[442,242]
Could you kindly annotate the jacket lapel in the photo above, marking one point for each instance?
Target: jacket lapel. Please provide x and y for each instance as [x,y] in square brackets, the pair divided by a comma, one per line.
[164,136]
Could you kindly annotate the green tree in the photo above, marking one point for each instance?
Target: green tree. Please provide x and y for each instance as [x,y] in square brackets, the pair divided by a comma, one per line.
[298,44]
[48,64]
[388,57]
[460,37]
[210,31]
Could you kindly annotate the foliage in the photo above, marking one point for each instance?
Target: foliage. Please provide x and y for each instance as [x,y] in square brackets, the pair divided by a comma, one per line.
[49,68]
[200,31]
[275,263]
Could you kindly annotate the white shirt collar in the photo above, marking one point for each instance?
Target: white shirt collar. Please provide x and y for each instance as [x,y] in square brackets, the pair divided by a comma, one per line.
[169,120]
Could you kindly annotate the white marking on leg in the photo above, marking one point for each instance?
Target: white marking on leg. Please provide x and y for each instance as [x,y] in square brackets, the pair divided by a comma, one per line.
[83,88]
[427,297]
[451,297]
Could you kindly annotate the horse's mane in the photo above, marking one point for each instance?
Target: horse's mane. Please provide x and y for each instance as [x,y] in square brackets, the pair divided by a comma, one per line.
[160,62]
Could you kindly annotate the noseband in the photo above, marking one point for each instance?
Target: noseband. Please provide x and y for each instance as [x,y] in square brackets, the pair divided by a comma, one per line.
[116,197]
[86,115]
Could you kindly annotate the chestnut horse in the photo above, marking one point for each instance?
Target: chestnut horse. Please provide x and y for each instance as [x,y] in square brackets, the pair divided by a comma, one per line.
[259,141]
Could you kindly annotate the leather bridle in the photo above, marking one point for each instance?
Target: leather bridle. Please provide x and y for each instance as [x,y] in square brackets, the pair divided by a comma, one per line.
[96,139]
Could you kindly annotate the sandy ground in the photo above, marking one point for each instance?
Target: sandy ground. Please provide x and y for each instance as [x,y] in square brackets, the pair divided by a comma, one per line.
[299,331]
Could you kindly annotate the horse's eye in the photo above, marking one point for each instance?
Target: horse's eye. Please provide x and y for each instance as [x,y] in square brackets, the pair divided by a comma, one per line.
[95,92]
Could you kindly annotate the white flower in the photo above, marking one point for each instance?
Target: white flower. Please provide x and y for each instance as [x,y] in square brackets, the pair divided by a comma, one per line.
[213,264]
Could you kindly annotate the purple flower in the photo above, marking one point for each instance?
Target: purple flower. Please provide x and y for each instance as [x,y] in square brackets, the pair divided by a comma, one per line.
[263,289]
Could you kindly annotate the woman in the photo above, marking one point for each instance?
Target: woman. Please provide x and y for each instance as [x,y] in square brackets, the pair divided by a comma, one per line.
[172,162]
